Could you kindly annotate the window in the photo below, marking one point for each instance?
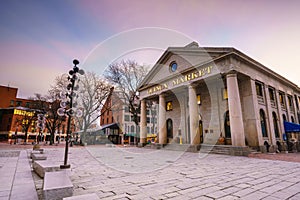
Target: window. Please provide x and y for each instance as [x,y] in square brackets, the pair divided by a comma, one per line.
[296,101]
[126,109]
[132,129]
[290,101]
[284,117]
[148,112]
[169,106]
[27,104]
[275,125]
[259,89]
[148,119]
[263,123]
[292,118]
[12,102]
[126,118]
[153,120]
[153,112]
[281,98]
[18,103]
[198,99]
[271,94]
[173,66]
[225,93]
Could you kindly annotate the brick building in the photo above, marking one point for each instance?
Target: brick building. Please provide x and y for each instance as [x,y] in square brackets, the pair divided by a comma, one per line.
[117,122]
[16,114]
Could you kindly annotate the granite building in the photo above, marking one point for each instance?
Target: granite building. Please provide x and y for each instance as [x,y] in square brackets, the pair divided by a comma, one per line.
[215,95]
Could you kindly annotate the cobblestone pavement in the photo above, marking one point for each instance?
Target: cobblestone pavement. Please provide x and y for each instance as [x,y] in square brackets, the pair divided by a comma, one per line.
[134,173]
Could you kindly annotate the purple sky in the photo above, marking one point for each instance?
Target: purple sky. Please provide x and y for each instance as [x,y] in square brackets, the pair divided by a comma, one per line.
[39,39]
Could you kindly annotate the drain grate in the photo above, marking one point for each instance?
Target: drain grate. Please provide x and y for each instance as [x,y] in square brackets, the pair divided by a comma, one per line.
[128,157]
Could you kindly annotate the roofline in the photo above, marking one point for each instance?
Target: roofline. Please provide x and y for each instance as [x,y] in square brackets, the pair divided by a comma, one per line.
[230,51]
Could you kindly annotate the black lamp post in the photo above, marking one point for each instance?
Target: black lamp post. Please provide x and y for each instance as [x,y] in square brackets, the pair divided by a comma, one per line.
[16,135]
[70,111]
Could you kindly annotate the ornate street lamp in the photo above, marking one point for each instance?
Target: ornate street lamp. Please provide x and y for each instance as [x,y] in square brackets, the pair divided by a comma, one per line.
[67,101]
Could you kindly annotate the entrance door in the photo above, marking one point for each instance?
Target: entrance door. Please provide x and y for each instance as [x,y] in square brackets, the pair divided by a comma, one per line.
[201,131]
[227,125]
[169,129]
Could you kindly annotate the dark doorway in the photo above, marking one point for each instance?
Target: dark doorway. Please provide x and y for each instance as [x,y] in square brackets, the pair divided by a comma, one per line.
[201,131]
[227,125]
[169,129]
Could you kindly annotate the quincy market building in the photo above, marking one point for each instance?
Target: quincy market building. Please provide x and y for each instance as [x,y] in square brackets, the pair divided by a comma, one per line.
[218,96]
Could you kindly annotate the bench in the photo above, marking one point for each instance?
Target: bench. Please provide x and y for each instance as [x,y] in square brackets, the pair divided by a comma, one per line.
[36,152]
[38,157]
[42,166]
[57,185]
[92,196]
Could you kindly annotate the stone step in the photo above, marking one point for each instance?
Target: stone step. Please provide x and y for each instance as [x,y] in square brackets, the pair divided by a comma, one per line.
[57,185]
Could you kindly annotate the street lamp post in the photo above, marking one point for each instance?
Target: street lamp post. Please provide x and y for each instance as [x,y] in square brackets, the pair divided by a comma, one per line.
[70,111]
[16,135]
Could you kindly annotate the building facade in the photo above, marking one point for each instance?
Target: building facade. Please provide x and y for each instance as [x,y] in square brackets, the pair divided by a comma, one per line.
[18,114]
[117,121]
[218,96]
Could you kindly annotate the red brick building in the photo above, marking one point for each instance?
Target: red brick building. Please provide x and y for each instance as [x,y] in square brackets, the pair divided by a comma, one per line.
[16,114]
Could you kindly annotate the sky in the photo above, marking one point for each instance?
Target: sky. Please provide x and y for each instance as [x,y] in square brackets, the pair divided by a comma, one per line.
[39,39]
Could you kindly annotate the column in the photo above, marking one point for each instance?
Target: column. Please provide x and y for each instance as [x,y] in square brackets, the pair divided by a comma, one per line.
[279,112]
[162,120]
[269,120]
[287,107]
[295,109]
[235,111]
[194,119]
[143,135]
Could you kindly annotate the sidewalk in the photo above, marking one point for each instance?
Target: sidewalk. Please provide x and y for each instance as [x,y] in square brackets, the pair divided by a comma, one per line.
[16,180]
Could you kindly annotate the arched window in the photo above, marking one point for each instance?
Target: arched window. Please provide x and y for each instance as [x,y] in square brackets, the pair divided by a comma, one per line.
[293,120]
[132,129]
[275,125]
[263,123]
[284,117]
[227,125]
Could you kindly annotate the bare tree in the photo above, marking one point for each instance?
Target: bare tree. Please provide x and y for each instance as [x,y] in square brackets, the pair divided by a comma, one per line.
[93,91]
[48,105]
[126,76]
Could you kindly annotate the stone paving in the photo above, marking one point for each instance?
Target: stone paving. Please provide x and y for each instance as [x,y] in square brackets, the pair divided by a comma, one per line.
[16,181]
[134,173]
[137,173]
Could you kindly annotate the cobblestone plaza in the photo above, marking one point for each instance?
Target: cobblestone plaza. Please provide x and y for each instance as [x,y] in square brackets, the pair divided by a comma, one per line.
[139,173]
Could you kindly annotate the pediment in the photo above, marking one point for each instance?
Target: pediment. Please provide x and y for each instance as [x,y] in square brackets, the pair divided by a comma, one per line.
[187,58]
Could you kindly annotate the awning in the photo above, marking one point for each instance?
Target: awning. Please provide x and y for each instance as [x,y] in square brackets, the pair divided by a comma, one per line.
[290,127]
[111,126]
[130,134]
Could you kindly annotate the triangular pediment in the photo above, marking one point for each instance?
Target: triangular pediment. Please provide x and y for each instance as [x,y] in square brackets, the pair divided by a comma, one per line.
[187,58]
